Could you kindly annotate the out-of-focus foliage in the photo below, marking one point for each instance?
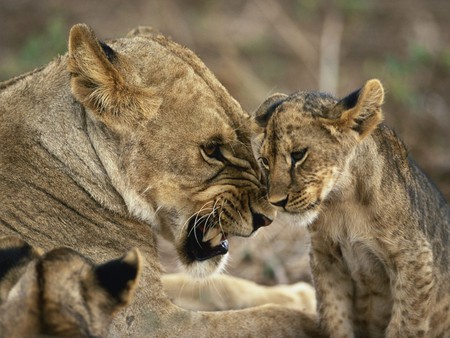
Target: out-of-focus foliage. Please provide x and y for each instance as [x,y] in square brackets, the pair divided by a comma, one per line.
[38,48]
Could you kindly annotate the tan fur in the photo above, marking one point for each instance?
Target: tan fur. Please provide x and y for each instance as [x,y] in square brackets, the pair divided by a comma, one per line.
[62,293]
[225,292]
[379,228]
[113,142]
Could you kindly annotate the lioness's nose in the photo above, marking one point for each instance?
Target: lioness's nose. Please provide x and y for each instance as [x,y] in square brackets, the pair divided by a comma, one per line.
[259,220]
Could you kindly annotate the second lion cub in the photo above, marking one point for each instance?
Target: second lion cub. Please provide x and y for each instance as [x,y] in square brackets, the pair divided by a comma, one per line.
[380,230]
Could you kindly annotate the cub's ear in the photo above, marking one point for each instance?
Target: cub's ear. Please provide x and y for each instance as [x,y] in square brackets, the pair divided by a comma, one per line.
[99,85]
[142,31]
[15,252]
[360,111]
[120,277]
[267,108]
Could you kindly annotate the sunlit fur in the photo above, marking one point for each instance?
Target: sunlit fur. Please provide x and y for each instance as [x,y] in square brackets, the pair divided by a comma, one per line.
[224,292]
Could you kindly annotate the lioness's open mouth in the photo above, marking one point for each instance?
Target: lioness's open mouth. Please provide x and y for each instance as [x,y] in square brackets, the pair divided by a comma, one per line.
[205,240]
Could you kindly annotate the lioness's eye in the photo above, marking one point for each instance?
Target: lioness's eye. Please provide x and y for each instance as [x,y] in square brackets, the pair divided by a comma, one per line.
[212,150]
[265,162]
[297,157]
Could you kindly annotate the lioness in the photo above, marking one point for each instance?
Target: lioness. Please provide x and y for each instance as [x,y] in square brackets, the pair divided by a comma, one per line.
[379,228]
[116,140]
[62,293]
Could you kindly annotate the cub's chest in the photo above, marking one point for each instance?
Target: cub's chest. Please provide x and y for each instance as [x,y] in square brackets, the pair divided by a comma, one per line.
[364,266]
[349,227]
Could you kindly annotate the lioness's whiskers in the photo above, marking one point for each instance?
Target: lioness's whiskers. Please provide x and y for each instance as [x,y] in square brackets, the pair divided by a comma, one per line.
[196,214]
[220,216]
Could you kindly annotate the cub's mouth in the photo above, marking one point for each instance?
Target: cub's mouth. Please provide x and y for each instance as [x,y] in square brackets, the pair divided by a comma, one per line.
[205,239]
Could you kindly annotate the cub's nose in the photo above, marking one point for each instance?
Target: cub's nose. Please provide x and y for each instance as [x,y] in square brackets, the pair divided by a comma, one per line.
[259,220]
[281,203]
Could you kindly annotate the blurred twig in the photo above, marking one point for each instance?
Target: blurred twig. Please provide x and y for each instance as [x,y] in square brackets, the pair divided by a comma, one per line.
[330,46]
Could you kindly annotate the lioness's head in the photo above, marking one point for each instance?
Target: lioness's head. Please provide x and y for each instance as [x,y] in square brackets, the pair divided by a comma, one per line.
[308,140]
[175,144]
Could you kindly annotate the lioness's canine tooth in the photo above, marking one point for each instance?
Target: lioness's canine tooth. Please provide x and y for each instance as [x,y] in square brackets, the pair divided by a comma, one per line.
[211,233]
[216,240]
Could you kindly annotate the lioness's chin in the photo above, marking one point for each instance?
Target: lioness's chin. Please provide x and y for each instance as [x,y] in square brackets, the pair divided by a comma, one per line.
[208,268]
[203,250]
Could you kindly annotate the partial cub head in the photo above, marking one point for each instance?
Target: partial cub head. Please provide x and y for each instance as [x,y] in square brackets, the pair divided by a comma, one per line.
[308,140]
[174,143]
[64,294]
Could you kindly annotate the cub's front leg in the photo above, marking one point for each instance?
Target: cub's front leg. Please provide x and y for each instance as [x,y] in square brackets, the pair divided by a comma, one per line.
[413,287]
[334,289]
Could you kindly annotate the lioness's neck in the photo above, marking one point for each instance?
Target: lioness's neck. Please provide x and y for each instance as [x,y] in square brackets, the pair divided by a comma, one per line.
[55,134]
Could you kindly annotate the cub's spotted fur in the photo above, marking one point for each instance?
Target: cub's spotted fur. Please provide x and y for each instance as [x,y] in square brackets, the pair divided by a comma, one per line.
[62,293]
[379,228]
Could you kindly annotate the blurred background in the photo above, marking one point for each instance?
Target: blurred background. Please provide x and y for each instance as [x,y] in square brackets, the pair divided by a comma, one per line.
[259,47]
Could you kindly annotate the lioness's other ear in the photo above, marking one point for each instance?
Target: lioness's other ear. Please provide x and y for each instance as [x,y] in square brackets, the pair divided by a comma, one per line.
[361,110]
[267,108]
[120,277]
[98,84]
[142,31]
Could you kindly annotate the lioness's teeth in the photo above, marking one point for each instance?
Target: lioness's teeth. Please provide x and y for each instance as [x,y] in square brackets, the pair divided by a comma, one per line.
[212,232]
[216,240]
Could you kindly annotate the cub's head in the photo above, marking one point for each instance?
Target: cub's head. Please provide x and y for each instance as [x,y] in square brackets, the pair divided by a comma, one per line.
[175,144]
[307,141]
[64,294]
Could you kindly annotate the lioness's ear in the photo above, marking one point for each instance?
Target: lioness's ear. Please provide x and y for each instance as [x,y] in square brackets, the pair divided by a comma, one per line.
[142,31]
[267,108]
[360,111]
[121,276]
[98,84]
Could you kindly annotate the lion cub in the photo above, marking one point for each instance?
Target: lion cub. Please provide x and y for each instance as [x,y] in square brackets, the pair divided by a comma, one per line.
[61,293]
[379,228]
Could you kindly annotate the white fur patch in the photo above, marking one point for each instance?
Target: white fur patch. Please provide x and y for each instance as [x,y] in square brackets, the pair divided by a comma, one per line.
[304,219]
[205,269]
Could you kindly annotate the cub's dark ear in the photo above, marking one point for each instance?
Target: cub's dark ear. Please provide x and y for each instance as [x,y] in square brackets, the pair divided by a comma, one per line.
[142,31]
[267,108]
[360,111]
[121,276]
[98,84]
[15,252]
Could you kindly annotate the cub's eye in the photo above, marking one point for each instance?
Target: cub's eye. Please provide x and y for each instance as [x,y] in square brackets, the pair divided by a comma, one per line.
[212,150]
[264,162]
[298,157]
